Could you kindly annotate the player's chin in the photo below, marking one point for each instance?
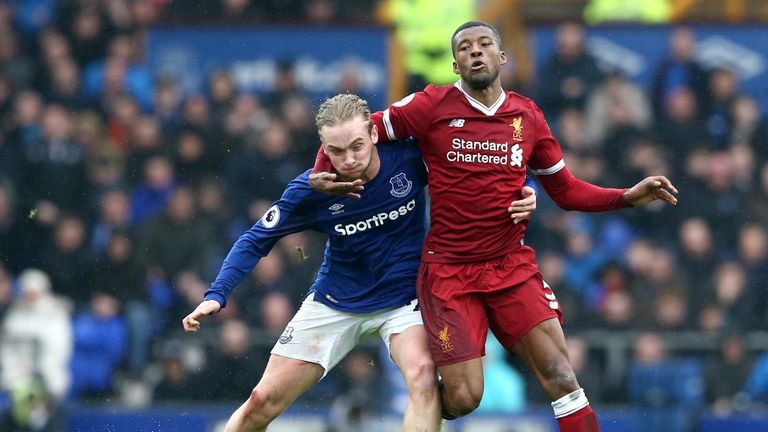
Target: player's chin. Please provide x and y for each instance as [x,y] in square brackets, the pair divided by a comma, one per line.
[351,174]
[480,80]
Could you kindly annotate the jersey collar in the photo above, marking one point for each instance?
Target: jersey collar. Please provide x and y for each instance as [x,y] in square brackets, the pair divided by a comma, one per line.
[489,111]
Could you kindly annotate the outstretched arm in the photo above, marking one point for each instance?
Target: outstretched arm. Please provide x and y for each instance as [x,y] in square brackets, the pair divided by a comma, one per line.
[571,193]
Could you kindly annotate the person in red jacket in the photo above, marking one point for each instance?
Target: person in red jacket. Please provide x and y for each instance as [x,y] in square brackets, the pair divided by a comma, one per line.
[477,273]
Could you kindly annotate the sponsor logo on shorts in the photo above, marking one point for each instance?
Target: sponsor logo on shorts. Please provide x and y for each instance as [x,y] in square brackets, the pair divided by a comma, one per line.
[445,340]
[287,336]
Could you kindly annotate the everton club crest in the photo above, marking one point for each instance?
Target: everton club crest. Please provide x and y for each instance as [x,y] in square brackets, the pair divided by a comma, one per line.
[400,185]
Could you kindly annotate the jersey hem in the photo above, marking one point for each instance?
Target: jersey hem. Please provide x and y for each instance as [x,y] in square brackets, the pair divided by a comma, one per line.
[448,257]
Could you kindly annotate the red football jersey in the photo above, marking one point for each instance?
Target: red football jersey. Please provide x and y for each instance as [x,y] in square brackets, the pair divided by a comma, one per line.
[477,158]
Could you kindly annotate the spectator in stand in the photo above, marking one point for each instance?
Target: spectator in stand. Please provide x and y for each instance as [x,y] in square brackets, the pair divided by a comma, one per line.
[175,241]
[180,380]
[570,76]
[730,293]
[194,158]
[679,70]
[276,312]
[119,74]
[67,259]
[118,273]
[697,254]
[100,337]
[114,215]
[37,346]
[297,114]
[216,212]
[286,86]
[144,141]
[55,155]
[718,107]
[668,390]
[747,126]
[670,310]
[222,94]
[266,166]
[14,63]
[753,256]
[727,373]
[716,196]
[615,107]
[358,402]
[167,103]
[233,363]
[150,197]
[589,370]
[612,285]
[123,116]
[678,124]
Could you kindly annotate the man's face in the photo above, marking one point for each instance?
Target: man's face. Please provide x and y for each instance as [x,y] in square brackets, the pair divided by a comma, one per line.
[349,145]
[478,58]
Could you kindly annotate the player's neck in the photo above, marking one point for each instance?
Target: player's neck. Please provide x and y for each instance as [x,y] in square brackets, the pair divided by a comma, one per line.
[487,96]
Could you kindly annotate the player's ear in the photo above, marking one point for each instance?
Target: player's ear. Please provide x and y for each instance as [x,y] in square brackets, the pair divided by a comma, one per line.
[455,67]
[502,57]
[374,134]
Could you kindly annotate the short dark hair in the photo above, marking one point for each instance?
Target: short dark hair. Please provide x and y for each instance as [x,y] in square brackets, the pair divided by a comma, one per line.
[470,24]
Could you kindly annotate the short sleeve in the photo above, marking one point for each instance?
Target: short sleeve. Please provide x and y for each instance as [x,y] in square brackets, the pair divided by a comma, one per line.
[408,117]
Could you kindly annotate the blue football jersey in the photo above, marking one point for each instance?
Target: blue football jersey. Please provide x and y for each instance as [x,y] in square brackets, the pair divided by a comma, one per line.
[374,244]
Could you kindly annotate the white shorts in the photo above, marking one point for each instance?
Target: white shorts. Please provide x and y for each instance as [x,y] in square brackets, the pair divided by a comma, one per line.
[323,335]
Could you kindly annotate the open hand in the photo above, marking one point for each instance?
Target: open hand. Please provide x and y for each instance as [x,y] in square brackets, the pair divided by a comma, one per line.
[324,182]
[651,189]
[521,209]
[191,322]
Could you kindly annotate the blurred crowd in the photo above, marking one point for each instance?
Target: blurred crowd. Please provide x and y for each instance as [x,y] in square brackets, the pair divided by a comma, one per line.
[120,197]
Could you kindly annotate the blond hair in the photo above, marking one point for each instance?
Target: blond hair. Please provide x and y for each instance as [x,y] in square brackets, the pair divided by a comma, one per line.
[341,108]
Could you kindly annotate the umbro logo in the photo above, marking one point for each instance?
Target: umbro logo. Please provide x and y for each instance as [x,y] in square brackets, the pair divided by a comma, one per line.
[336,208]
[457,123]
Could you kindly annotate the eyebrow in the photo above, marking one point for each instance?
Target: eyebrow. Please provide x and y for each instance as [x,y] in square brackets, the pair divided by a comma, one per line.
[466,39]
[335,147]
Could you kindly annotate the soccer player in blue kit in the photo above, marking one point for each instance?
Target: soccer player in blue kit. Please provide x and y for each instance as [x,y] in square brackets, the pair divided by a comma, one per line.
[367,281]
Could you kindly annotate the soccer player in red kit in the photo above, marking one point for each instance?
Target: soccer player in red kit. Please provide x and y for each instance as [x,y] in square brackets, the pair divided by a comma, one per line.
[476,272]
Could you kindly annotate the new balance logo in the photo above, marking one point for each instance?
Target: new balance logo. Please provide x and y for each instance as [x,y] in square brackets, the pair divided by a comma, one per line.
[456,123]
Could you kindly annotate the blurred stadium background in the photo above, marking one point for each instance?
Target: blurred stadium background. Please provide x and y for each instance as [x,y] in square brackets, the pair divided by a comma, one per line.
[139,138]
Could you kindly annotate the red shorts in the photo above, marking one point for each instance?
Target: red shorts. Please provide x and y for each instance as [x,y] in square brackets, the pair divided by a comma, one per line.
[461,301]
